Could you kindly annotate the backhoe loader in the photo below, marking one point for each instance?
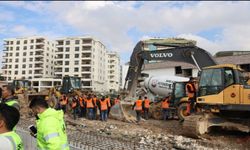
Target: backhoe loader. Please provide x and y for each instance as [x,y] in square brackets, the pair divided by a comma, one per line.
[223,98]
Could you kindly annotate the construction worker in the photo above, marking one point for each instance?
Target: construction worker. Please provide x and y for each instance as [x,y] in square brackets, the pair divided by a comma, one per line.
[117,100]
[8,96]
[165,107]
[63,103]
[9,117]
[90,107]
[51,129]
[82,106]
[74,107]
[104,108]
[138,108]
[146,104]
[191,93]
[109,104]
[95,108]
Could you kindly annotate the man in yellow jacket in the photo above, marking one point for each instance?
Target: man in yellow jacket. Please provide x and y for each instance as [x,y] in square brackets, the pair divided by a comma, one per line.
[9,117]
[51,129]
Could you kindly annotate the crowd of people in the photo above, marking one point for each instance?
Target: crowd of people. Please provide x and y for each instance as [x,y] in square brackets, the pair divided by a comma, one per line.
[87,106]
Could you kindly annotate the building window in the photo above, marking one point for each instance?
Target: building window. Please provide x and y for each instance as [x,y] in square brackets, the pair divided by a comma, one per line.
[31,47]
[77,49]
[24,53]
[16,72]
[16,66]
[76,62]
[31,53]
[17,48]
[178,70]
[67,63]
[30,71]
[17,54]
[30,65]
[76,55]
[23,72]
[31,41]
[16,60]
[77,42]
[25,47]
[67,56]
[76,69]
[17,42]
[67,49]
[31,59]
[24,59]
[67,42]
[24,66]
[66,70]
[25,41]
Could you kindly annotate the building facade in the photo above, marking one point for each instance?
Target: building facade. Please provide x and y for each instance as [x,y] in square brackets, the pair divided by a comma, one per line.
[28,58]
[84,57]
[113,71]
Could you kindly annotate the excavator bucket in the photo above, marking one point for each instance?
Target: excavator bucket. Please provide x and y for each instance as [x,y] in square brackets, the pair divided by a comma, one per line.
[123,111]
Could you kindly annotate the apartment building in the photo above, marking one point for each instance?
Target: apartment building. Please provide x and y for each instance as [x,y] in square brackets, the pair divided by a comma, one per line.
[28,58]
[84,57]
[113,71]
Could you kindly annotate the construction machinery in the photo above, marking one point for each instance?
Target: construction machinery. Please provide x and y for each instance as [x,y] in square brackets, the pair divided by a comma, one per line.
[223,98]
[158,87]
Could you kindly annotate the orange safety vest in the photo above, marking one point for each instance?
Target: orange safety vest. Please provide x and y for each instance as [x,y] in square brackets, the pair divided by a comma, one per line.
[165,104]
[64,101]
[190,90]
[138,104]
[108,100]
[117,101]
[89,103]
[95,99]
[73,105]
[81,102]
[103,104]
[146,103]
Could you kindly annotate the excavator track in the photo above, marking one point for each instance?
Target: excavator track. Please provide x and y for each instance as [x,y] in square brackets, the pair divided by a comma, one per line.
[195,125]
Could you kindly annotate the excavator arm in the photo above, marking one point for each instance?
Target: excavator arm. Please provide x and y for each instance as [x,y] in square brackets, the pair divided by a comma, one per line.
[168,52]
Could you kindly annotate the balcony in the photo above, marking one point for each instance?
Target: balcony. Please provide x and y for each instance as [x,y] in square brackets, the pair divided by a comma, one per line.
[86,76]
[39,53]
[86,49]
[39,46]
[58,63]
[86,63]
[86,69]
[38,66]
[40,41]
[59,50]
[59,43]
[38,72]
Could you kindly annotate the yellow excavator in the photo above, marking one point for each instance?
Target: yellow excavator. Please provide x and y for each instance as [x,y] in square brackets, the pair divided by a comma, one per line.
[223,98]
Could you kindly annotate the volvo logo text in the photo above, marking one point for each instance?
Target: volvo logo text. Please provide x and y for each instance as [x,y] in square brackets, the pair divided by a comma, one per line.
[161,55]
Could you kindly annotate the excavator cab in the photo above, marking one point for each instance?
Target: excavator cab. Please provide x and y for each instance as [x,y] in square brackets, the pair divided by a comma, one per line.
[69,84]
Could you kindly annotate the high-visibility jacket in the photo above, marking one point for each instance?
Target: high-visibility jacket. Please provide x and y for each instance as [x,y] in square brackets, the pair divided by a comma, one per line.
[51,130]
[190,88]
[15,140]
[94,100]
[146,103]
[64,101]
[81,102]
[117,101]
[89,103]
[108,100]
[12,102]
[73,104]
[165,104]
[138,104]
[104,104]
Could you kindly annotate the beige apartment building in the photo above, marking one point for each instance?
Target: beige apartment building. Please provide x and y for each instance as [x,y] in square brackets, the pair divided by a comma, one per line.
[114,72]
[84,57]
[45,62]
[28,58]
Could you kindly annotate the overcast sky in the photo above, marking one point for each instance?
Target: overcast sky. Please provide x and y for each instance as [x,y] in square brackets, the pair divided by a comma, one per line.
[216,26]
